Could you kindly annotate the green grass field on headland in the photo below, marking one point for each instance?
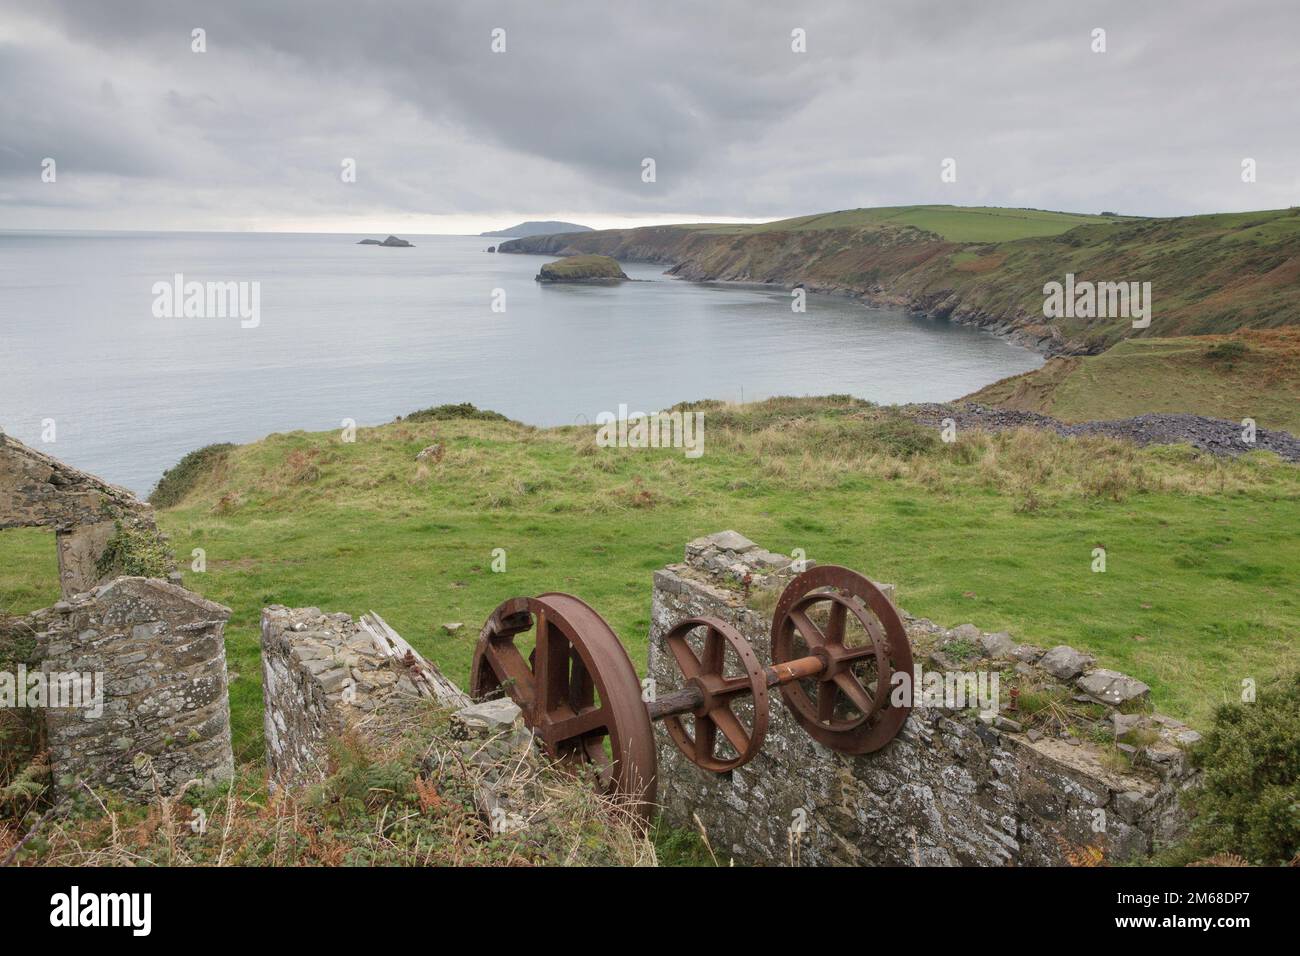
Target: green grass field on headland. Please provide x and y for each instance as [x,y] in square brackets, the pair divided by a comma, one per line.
[1253,374]
[953,223]
[999,530]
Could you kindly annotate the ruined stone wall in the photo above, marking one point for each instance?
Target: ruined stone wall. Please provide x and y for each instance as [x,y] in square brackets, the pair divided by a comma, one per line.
[322,674]
[951,788]
[85,512]
[152,655]
[327,675]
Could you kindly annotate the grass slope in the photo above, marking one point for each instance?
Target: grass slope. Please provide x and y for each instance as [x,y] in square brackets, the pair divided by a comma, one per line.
[998,530]
[1251,374]
[952,223]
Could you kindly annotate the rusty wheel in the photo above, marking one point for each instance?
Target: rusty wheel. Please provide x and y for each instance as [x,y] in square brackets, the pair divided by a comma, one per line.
[707,673]
[577,689]
[842,618]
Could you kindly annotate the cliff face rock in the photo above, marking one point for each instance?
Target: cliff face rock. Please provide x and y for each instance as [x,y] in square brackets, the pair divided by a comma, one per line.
[582,269]
[1210,274]
[391,241]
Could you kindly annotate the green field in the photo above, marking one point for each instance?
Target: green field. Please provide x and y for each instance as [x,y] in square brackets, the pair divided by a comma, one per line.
[1199,592]
[953,223]
[1251,375]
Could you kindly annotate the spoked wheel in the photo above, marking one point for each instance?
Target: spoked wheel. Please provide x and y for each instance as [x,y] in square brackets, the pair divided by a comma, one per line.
[577,689]
[842,618]
[707,673]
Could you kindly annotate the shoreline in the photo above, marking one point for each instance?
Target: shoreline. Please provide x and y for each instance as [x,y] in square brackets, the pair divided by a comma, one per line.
[1044,340]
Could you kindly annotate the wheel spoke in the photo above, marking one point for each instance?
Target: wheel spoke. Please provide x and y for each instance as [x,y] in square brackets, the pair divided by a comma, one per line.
[711,659]
[594,748]
[687,662]
[854,691]
[706,734]
[579,725]
[582,691]
[812,634]
[826,694]
[511,669]
[730,725]
[835,629]
[552,666]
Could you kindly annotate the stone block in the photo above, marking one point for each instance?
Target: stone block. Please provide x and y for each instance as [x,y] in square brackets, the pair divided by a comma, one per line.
[998,646]
[488,717]
[1064,662]
[1112,687]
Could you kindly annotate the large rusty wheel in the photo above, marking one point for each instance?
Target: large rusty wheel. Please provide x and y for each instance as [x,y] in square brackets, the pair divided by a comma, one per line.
[577,689]
[842,618]
[707,673]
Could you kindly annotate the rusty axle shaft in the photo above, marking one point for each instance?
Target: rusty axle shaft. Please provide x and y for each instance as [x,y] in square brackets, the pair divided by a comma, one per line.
[691,697]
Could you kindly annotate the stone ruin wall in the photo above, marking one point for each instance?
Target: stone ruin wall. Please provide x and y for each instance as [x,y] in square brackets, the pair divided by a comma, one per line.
[327,675]
[950,789]
[148,651]
[323,674]
[165,715]
[39,491]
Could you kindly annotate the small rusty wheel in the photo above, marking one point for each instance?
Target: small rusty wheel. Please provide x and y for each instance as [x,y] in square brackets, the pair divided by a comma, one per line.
[849,707]
[578,689]
[707,674]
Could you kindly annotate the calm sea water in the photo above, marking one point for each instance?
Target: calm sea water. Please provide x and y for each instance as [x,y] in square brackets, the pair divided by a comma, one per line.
[367,333]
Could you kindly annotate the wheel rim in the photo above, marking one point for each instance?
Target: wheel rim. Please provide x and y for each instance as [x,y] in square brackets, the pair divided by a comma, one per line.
[578,690]
[847,711]
[706,672]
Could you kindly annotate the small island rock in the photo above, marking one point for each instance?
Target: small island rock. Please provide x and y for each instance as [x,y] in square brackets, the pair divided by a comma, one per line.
[582,269]
[391,241]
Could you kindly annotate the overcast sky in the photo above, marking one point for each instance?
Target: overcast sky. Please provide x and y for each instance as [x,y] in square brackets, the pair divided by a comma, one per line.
[449,136]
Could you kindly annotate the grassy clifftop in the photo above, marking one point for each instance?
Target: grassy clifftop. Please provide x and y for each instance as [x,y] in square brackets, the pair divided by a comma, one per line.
[1209,274]
[1252,374]
[998,530]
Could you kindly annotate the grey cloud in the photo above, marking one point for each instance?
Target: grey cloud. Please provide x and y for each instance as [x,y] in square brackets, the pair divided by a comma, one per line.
[737,123]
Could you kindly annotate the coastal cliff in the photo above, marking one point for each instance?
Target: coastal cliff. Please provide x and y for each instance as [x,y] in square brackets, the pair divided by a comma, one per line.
[1209,274]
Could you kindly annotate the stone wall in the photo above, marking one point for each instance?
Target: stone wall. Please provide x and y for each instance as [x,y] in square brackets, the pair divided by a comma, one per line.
[952,788]
[326,676]
[150,656]
[322,674]
[84,511]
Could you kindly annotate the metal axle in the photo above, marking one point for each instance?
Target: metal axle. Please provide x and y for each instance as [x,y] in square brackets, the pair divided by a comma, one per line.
[691,697]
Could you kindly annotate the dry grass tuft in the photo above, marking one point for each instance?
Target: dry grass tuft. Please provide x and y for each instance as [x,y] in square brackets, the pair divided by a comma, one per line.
[409,800]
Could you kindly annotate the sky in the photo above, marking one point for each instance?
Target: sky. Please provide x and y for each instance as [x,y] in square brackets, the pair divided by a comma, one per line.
[449,135]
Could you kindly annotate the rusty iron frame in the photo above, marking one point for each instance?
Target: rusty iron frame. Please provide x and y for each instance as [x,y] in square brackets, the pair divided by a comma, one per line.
[579,691]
